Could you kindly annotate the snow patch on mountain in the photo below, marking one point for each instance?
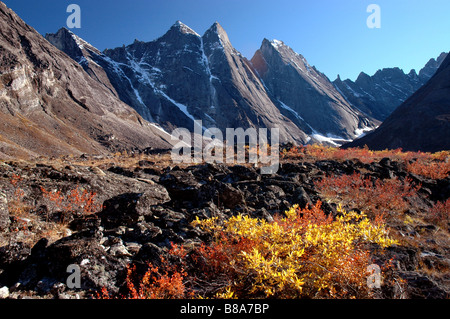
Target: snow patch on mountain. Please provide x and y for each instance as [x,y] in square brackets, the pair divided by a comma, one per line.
[212,77]
[82,44]
[277,43]
[360,132]
[185,29]
[205,61]
[117,68]
[183,108]
[329,138]
[284,106]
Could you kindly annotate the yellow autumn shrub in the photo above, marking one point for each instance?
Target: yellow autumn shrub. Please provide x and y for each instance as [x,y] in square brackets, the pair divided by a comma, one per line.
[303,254]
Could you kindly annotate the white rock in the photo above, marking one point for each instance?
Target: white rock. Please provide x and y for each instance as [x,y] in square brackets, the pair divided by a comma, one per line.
[119,250]
[85,262]
[4,293]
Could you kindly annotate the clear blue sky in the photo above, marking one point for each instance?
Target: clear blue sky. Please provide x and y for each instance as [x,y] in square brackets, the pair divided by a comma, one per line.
[331,34]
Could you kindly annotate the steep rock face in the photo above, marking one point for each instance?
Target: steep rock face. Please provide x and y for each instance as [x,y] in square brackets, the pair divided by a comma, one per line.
[431,67]
[240,93]
[379,95]
[81,51]
[422,123]
[50,106]
[183,76]
[305,94]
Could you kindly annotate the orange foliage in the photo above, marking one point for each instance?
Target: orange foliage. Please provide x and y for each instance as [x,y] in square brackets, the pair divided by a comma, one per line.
[365,155]
[373,196]
[164,282]
[434,170]
[314,215]
[305,254]
[15,180]
[294,152]
[156,283]
[17,206]
[217,258]
[440,213]
[78,200]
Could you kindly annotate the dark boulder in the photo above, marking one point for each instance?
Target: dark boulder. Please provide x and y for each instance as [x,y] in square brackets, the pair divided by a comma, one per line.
[230,197]
[419,286]
[127,209]
[98,268]
[302,198]
[181,185]
[143,232]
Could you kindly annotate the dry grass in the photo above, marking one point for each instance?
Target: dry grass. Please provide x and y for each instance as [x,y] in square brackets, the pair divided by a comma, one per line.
[28,226]
[427,230]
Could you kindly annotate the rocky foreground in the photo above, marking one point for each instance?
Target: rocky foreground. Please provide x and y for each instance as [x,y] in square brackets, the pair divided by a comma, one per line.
[144,205]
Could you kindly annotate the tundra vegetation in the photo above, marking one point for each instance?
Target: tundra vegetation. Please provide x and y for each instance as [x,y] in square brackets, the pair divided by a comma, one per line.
[312,230]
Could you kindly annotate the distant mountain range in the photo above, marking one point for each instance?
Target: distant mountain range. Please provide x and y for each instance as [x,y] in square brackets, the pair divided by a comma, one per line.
[379,95]
[64,96]
[184,76]
[421,123]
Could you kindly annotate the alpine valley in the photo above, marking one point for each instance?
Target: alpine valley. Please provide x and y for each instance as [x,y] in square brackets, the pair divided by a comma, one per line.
[69,97]
[94,206]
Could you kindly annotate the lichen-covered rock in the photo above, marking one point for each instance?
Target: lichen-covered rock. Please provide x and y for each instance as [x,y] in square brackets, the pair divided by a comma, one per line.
[4,213]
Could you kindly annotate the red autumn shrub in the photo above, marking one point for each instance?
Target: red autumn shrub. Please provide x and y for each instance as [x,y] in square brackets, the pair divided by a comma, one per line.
[156,283]
[434,170]
[373,196]
[79,201]
[304,254]
[440,213]
[164,282]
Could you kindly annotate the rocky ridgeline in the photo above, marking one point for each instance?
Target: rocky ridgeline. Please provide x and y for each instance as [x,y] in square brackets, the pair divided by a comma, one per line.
[145,209]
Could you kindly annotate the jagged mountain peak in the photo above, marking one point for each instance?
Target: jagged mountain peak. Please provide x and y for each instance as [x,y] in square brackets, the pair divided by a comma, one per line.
[177,31]
[216,33]
[273,45]
[287,54]
[363,78]
[277,43]
[66,40]
[183,28]
[390,74]
[394,70]
[421,123]
[216,28]
[308,91]
[442,57]
[432,66]
[63,31]
[412,73]
[379,95]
